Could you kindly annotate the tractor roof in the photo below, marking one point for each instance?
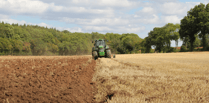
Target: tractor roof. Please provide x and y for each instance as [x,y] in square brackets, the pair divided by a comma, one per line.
[99,40]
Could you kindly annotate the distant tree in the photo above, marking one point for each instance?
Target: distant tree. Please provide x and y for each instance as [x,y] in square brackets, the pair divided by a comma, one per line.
[96,35]
[27,47]
[5,45]
[52,48]
[17,45]
[114,42]
[66,31]
[172,31]
[36,40]
[38,46]
[147,44]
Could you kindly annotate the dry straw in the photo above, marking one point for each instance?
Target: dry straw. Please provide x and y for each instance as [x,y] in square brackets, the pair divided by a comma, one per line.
[154,78]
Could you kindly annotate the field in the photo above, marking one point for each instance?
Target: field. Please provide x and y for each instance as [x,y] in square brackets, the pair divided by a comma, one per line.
[45,79]
[154,78]
[130,78]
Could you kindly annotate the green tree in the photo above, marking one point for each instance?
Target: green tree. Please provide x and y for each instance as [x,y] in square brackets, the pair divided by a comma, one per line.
[129,43]
[38,46]
[146,44]
[9,31]
[172,31]
[114,42]
[197,42]
[26,47]
[198,17]
[36,40]
[52,48]
[96,35]
[5,45]
[158,38]
[188,28]
[64,48]
[17,45]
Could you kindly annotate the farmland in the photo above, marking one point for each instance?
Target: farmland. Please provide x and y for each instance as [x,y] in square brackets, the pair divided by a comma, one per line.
[58,79]
[154,78]
[128,78]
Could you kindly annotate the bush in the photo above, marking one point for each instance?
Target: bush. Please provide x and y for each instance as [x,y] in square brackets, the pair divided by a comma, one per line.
[207,48]
[171,49]
[152,51]
[2,54]
[176,50]
[183,48]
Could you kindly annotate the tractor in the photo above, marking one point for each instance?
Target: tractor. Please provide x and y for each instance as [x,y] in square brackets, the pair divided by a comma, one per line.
[100,49]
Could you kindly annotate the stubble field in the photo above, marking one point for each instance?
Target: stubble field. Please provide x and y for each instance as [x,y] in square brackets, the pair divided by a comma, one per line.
[133,78]
[153,78]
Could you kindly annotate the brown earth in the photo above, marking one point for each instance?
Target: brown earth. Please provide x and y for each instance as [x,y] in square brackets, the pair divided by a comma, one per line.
[47,79]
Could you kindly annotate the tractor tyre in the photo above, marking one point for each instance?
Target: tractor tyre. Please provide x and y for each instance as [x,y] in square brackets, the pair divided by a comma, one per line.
[95,55]
[108,53]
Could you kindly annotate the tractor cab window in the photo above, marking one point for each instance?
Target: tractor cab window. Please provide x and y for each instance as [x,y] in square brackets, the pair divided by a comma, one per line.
[101,42]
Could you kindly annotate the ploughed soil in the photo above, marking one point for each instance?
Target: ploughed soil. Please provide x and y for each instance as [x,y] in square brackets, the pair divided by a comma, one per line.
[47,79]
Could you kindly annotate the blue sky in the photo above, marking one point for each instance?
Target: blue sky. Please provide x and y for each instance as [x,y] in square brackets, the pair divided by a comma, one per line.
[117,16]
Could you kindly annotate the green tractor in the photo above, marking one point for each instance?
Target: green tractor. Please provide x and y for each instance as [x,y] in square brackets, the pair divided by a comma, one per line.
[100,49]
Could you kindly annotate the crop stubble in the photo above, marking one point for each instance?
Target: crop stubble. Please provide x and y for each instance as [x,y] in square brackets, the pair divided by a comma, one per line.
[153,78]
[47,79]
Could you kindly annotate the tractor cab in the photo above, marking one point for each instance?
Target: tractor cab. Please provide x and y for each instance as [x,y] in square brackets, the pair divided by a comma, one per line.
[100,42]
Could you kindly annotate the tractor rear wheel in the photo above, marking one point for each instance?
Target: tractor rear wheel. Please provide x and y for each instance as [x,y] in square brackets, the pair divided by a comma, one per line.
[108,53]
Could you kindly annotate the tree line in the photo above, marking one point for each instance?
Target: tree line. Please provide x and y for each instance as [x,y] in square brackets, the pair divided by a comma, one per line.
[193,31]
[36,40]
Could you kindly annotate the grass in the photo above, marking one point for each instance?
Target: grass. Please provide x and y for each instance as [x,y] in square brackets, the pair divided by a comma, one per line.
[154,78]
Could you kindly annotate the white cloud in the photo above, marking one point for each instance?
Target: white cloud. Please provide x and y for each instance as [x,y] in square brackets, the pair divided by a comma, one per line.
[98,21]
[56,8]
[22,22]
[173,8]
[204,1]
[44,24]
[51,10]
[171,19]
[122,3]
[136,16]
[164,1]
[97,28]
[2,16]
[117,4]
[176,8]
[108,21]
[74,29]
[23,6]
[148,10]
[132,29]
[120,29]
[10,21]
[153,19]
[89,11]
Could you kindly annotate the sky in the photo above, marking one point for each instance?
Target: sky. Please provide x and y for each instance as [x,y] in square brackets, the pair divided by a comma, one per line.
[103,16]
